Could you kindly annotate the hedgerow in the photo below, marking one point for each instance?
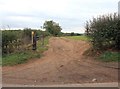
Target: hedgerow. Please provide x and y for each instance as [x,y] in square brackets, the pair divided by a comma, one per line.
[104,32]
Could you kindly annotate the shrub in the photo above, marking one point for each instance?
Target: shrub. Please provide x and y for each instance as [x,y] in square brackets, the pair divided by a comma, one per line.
[7,38]
[104,31]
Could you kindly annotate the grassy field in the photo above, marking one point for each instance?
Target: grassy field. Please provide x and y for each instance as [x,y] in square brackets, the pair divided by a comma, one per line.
[83,38]
[24,56]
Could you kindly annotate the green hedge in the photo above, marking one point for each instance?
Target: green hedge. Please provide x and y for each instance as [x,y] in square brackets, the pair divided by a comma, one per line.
[104,31]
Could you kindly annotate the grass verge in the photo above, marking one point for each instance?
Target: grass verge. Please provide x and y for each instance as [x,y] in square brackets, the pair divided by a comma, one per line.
[24,56]
[110,56]
[104,56]
[83,38]
[19,58]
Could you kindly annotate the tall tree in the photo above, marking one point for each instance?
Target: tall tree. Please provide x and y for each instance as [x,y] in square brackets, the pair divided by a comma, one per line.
[52,27]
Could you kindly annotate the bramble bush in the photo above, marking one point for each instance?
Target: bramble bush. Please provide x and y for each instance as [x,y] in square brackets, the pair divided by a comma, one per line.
[104,32]
[16,40]
[7,39]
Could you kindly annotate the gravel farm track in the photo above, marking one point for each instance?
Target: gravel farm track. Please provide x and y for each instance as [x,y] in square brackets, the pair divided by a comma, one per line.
[62,63]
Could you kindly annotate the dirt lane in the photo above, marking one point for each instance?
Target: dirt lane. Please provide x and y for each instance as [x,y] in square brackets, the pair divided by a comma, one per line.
[62,63]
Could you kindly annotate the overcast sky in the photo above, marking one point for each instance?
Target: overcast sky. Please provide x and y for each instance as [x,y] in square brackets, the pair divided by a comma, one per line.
[70,14]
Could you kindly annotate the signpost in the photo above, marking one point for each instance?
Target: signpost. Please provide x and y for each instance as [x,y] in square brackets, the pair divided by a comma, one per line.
[34,40]
[32,36]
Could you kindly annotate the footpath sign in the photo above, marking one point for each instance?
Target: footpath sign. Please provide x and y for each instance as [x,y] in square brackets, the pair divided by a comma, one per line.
[34,41]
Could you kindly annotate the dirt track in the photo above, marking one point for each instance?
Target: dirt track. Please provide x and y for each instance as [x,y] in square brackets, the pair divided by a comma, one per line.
[62,63]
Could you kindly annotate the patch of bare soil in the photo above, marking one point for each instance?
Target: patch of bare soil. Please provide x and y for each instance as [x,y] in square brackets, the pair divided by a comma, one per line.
[62,63]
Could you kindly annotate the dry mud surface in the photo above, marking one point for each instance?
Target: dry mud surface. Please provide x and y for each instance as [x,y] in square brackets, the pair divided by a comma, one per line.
[62,63]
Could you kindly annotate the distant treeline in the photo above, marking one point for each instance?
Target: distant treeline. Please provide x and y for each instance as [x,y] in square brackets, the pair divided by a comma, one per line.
[71,34]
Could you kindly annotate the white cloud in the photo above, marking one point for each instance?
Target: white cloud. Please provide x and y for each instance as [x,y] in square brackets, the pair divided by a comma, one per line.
[69,13]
